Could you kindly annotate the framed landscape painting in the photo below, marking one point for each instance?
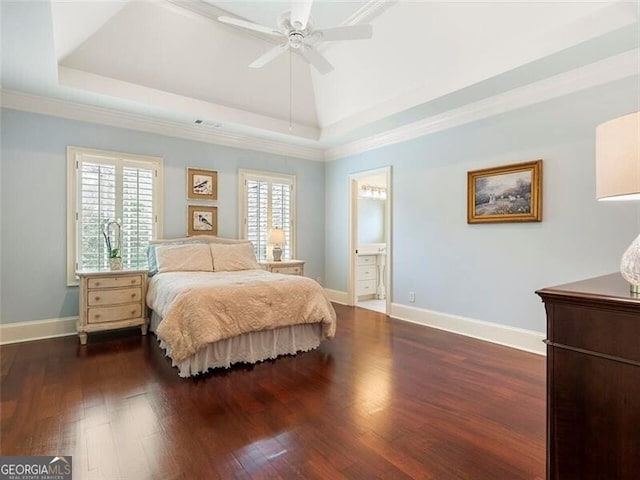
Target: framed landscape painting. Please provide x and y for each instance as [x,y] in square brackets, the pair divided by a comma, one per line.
[511,193]
[202,184]
[202,220]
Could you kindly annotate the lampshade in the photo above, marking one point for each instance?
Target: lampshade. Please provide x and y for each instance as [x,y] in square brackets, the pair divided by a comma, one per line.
[618,178]
[276,236]
[618,159]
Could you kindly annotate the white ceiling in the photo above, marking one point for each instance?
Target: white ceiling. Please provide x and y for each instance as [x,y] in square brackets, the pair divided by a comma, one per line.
[171,60]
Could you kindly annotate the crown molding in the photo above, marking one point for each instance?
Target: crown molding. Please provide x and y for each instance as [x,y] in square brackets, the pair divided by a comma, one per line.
[614,68]
[133,121]
[598,73]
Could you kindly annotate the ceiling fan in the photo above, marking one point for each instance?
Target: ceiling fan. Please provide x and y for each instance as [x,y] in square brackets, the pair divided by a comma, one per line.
[296,29]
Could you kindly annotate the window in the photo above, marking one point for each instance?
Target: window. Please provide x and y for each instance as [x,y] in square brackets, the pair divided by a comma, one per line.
[104,186]
[267,200]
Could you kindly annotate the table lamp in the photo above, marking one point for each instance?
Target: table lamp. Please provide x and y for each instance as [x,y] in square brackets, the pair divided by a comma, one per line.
[618,178]
[277,239]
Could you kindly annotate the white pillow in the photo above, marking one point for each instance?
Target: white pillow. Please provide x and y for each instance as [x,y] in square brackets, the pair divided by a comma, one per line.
[229,258]
[184,258]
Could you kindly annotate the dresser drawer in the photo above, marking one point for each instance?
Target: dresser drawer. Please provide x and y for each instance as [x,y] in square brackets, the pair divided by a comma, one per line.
[114,314]
[599,330]
[366,259]
[367,273]
[114,296]
[291,270]
[366,287]
[114,282]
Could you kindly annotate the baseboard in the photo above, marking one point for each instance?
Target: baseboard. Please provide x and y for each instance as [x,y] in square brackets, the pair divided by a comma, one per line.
[527,340]
[37,330]
[337,296]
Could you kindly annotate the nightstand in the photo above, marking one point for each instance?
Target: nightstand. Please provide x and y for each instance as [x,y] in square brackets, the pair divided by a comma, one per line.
[111,299]
[290,267]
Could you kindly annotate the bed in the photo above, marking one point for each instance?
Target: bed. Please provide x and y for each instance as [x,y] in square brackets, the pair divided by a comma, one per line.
[211,305]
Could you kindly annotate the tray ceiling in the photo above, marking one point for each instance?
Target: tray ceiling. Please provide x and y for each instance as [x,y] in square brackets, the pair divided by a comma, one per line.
[172,60]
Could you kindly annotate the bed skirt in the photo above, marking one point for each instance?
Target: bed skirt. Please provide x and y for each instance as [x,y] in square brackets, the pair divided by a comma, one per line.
[246,348]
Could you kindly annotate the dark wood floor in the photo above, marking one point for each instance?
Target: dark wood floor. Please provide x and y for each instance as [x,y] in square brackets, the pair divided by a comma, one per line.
[384,399]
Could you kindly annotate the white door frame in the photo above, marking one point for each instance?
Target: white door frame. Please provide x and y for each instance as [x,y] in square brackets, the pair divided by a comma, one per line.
[353,233]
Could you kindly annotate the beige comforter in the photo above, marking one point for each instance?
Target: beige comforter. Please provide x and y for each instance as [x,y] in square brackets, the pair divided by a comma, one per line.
[198,308]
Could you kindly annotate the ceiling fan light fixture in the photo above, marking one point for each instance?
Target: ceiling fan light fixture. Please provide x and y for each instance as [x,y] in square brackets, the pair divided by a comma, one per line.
[296,39]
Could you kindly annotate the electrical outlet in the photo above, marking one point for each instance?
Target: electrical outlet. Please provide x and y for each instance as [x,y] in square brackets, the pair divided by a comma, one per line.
[412,297]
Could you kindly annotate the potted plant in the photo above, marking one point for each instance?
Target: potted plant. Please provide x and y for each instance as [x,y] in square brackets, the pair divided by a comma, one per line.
[113,239]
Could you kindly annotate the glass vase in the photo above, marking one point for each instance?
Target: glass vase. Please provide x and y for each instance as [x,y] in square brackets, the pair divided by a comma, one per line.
[630,265]
[115,263]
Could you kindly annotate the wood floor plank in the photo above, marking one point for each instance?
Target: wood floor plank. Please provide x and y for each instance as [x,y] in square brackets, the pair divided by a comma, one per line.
[384,399]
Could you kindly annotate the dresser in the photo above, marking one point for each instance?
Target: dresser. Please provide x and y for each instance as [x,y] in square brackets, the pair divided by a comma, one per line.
[110,300]
[593,380]
[290,267]
[366,276]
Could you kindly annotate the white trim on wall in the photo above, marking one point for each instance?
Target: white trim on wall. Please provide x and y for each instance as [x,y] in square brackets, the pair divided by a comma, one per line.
[37,330]
[519,338]
[614,68]
[144,123]
[527,340]
[337,296]
[611,69]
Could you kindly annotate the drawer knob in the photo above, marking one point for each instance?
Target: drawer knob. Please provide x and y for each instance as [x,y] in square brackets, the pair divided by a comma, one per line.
[97,315]
[97,299]
[133,295]
[133,280]
[133,312]
[97,284]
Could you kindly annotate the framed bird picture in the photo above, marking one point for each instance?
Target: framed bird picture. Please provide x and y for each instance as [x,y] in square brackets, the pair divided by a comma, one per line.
[202,184]
[202,220]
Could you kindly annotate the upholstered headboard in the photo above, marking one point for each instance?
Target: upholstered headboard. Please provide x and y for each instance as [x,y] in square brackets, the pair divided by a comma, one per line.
[197,239]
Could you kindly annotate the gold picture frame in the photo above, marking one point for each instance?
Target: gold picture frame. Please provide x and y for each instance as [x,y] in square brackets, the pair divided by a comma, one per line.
[202,184]
[202,220]
[511,193]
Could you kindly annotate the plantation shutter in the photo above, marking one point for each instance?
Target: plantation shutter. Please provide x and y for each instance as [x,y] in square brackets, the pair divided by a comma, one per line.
[280,213]
[97,202]
[257,216]
[114,189]
[137,215]
[268,204]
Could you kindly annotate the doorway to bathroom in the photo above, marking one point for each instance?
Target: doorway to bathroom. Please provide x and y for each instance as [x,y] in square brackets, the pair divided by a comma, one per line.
[370,240]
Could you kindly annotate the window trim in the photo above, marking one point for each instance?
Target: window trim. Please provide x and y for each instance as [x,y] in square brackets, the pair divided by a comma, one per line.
[246,174]
[73,157]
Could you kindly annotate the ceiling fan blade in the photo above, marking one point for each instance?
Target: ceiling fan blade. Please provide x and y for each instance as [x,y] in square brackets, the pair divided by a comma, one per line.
[348,32]
[314,58]
[300,11]
[271,55]
[249,25]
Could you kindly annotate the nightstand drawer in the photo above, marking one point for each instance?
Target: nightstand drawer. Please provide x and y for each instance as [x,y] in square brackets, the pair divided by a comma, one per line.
[115,281]
[114,314]
[366,259]
[288,267]
[114,296]
[367,273]
[287,270]
[366,287]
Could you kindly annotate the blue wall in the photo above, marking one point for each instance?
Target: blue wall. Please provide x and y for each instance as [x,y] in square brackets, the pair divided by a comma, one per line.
[33,203]
[490,272]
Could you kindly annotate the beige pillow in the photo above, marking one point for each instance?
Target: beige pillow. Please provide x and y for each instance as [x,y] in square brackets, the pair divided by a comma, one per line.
[184,258]
[229,258]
